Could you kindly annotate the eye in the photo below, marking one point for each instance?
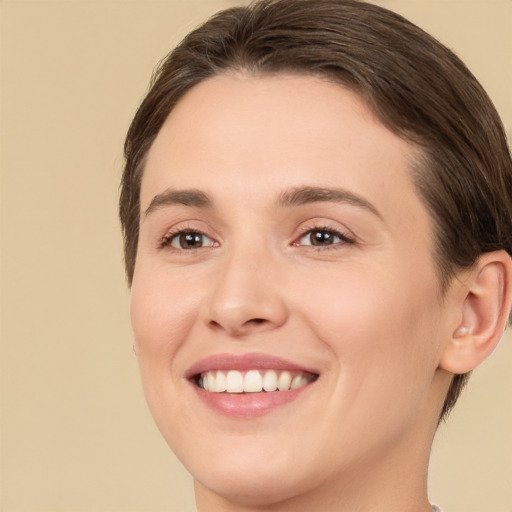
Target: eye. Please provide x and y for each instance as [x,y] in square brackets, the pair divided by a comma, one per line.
[320,237]
[187,240]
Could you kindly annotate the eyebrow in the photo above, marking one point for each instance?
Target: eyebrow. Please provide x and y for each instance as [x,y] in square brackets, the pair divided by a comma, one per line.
[294,197]
[304,195]
[169,197]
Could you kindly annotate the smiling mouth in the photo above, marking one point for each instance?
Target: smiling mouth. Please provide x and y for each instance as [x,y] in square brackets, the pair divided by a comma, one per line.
[252,381]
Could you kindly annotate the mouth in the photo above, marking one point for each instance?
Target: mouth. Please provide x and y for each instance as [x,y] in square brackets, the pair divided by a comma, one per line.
[248,385]
[253,381]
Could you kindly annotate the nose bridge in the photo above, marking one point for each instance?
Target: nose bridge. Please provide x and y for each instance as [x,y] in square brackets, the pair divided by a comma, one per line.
[246,296]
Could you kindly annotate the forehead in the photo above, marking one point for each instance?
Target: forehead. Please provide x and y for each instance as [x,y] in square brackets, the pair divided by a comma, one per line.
[261,135]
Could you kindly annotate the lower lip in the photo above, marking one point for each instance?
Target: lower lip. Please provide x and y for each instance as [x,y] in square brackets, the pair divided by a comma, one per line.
[249,405]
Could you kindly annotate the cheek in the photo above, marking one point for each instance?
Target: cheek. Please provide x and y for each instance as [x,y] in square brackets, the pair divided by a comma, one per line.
[381,324]
[160,311]
[161,319]
[165,311]
[352,302]
[379,331]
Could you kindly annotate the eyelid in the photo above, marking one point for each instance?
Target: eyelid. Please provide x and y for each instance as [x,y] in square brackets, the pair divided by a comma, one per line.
[165,241]
[345,235]
[174,240]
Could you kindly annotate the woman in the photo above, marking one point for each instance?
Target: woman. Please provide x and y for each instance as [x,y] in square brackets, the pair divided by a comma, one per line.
[317,210]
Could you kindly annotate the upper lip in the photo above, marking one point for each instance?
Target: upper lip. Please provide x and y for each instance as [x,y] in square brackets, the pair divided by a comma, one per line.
[244,362]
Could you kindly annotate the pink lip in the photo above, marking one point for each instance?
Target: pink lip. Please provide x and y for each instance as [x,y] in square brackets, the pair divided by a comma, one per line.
[244,362]
[246,405]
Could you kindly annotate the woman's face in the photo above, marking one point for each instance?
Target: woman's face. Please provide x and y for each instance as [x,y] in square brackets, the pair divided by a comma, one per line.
[282,240]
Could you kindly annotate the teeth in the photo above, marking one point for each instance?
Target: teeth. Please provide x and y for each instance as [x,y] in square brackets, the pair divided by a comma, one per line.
[234,382]
[210,378]
[270,380]
[284,381]
[253,381]
[220,382]
[298,381]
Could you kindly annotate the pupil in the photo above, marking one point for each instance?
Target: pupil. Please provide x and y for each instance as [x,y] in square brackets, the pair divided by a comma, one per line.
[322,238]
[190,240]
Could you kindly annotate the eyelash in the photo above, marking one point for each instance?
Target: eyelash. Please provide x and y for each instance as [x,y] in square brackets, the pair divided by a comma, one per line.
[170,236]
[345,239]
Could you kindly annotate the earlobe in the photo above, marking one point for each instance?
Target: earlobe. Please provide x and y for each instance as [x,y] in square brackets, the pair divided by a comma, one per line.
[485,307]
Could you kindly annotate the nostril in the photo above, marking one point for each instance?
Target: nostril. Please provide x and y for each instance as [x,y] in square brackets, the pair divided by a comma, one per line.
[256,321]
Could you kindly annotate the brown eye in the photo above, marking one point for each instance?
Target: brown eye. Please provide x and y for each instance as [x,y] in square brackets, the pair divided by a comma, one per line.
[325,238]
[320,238]
[190,240]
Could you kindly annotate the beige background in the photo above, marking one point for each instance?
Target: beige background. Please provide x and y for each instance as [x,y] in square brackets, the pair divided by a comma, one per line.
[75,432]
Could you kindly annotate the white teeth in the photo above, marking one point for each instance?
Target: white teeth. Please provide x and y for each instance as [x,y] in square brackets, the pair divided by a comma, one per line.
[210,378]
[220,382]
[284,381]
[234,382]
[253,381]
[298,381]
[270,380]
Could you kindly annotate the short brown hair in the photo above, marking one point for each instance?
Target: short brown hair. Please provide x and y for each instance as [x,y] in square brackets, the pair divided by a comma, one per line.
[416,86]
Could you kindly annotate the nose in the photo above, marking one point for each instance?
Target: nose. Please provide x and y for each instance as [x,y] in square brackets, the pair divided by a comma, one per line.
[246,296]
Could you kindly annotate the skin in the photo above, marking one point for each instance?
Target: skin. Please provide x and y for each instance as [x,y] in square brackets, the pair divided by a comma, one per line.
[365,312]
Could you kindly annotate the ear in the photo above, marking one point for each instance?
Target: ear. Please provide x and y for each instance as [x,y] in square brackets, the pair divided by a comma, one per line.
[485,308]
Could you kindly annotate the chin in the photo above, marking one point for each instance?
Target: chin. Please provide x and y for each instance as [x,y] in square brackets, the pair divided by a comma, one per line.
[253,486]
[252,475]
